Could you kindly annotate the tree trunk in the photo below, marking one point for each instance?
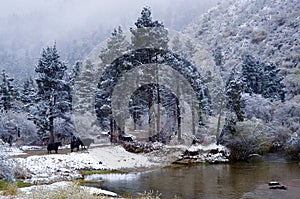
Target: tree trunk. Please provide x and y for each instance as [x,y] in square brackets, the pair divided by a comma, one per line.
[193,118]
[219,123]
[134,119]
[178,120]
[158,111]
[51,120]
[150,103]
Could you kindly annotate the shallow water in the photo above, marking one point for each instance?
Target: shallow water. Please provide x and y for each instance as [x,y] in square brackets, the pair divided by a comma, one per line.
[239,180]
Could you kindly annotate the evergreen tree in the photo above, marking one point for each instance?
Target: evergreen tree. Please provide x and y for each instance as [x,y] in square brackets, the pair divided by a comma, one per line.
[273,87]
[116,46]
[8,93]
[149,33]
[233,91]
[52,97]
[261,78]
[27,94]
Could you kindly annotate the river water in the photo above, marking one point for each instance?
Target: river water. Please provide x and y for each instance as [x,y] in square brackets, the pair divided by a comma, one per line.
[238,180]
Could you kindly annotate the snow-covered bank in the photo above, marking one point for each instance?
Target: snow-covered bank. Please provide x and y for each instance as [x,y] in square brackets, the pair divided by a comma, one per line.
[49,168]
[211,153]
[57,167]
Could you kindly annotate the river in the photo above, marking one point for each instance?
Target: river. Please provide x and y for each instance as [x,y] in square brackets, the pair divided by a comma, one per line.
[237,180]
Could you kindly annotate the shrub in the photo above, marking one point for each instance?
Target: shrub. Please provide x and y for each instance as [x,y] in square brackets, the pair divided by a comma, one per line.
[249,137]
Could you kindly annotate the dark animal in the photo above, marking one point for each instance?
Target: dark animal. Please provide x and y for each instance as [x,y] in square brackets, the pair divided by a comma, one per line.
[53,147]
[160,137]
[75,143]
[125,138]
[87,142]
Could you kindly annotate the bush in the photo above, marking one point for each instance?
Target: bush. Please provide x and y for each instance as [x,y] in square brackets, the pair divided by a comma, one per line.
[292,148]
[248,137]
[6,168]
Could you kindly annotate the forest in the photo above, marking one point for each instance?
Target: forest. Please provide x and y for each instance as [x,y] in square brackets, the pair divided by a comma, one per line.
[229,79]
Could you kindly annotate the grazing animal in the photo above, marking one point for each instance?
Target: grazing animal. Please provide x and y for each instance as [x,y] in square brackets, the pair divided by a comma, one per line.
[75,143]
[125,138]
[87,142]
[53,147]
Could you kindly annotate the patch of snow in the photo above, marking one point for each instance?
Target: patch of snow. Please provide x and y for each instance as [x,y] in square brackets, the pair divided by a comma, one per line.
[97,191]
[64,184]
[26,148]
[10,151]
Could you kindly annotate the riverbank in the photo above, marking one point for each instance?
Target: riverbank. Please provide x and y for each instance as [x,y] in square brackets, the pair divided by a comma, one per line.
[35,166]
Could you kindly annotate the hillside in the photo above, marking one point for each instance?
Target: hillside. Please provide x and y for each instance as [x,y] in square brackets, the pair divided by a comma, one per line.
[265,29]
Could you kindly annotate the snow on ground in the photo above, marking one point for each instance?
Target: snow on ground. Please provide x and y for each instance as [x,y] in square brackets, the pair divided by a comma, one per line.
[28,191]
[51,168]
[10,151]
[57,167]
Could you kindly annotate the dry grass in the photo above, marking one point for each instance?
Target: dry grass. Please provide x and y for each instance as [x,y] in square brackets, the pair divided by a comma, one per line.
[75,191]
[10,189]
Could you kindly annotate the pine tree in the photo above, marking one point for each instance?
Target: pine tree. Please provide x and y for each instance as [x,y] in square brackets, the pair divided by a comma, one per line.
[52,97]
[8,94]
[116,46]
[27,94]
[273,88]
[261,78]
[233,91]
[149,33]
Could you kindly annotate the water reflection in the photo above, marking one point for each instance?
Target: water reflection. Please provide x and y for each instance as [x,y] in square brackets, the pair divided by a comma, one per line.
[203,181]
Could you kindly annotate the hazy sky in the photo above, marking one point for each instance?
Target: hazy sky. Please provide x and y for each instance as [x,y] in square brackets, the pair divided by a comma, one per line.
[26,26]
[72,13]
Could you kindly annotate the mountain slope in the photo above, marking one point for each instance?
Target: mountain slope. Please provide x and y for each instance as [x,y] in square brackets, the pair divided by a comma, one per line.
[266,29]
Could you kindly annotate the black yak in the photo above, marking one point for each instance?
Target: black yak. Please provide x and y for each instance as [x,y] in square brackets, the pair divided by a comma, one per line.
[53,147]
[75,143]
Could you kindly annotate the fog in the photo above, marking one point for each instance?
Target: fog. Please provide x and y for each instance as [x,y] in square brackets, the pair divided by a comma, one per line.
[27,26]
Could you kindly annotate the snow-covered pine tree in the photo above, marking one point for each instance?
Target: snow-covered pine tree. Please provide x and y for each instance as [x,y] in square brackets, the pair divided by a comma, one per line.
[261,78]
[8,93]
[233,91]
[115,47]
[273,87]
[27,94]
[251,73]
[149,33]
[52,97]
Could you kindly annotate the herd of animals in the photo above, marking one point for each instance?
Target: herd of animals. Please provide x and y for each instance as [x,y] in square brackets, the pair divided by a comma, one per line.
[84,143]
[75,144]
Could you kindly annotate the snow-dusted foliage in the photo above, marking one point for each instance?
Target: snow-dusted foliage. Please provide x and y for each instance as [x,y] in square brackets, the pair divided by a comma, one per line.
[8,93]
[6,168]
[260,78]
[149,33]
[257,106]
[52,99]
[116,46]
[15,128]
[259,40]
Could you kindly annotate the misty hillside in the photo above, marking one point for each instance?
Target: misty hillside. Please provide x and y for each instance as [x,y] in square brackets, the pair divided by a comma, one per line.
[265,29]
